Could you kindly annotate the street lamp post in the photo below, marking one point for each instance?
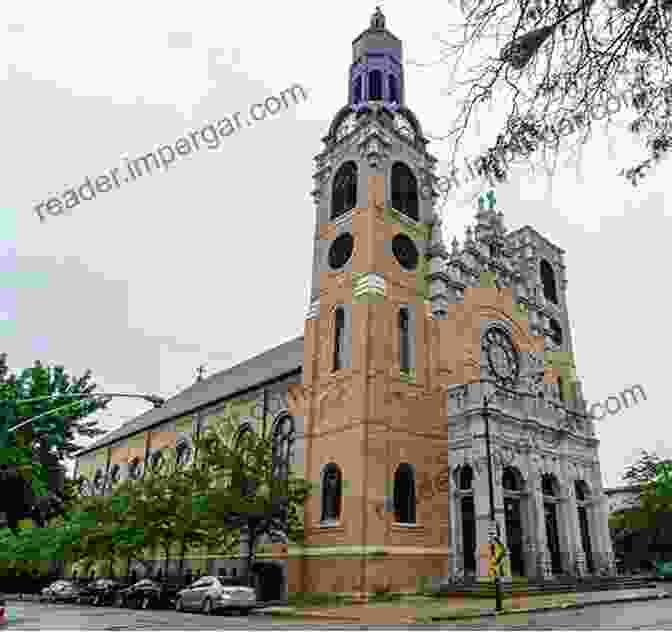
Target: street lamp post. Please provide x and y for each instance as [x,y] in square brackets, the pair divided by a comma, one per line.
[498,586]
[152,399]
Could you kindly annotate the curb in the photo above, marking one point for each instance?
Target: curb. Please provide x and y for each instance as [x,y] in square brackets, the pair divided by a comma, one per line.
[567,606]
[486,613]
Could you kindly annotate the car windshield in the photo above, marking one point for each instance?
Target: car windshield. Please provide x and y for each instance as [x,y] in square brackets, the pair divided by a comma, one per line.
[231,581]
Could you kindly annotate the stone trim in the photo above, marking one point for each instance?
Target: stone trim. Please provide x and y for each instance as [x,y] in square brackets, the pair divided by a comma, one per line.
[368,286]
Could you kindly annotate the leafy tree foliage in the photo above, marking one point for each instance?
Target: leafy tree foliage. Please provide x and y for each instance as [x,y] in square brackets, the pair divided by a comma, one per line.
[41,381]
[33,453]
[645,530]
[248,495]
[549,64]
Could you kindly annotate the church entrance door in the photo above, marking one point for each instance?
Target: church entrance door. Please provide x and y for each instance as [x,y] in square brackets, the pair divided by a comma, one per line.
[585,538]
[469,533]
[552,536]
[514,535]
[269,582]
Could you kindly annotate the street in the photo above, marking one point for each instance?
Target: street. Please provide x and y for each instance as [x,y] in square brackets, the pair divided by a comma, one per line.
[655,614]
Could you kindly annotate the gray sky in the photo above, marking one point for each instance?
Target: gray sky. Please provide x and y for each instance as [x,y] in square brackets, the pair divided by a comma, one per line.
[210,261]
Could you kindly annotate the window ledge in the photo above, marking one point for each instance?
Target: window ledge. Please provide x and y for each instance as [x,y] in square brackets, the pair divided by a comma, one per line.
[330,524]
[407,525]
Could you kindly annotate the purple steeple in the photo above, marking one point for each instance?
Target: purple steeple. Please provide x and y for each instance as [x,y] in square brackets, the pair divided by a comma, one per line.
[376,73]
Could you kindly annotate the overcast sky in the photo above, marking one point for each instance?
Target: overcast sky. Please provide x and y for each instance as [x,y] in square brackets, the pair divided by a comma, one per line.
[210,261]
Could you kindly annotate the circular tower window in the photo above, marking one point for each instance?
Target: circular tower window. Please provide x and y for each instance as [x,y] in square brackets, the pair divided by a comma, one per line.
[405,252]
[341,251]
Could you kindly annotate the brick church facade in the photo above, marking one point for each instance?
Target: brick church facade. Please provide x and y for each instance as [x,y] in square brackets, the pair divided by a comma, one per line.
[381,401]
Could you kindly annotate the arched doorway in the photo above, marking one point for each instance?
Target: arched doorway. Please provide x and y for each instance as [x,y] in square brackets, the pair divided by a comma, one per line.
[512,482]
[582,492]
[465,476]
[269,581]
[550,490]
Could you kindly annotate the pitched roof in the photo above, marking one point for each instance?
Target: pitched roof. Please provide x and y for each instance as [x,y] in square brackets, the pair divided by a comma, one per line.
[281,360]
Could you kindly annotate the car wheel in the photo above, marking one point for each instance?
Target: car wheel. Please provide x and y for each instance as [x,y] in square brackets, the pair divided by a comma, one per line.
[96,600]
[207,606]
[119,601]
[245,611]
[145,603]
[178,605]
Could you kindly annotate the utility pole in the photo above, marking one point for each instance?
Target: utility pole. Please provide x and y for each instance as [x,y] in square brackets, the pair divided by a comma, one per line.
[493,523]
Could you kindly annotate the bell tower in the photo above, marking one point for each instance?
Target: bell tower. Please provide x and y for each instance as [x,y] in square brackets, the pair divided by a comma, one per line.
[371,438]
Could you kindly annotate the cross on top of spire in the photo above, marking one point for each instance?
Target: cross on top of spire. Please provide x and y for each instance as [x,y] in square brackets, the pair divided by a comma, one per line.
[490,196]
[378,19]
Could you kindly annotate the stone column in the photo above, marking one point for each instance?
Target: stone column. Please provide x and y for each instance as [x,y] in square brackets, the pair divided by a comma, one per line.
[605,562]
[455,533]
[570,534]
[482,511]
[579,562]
[543,556]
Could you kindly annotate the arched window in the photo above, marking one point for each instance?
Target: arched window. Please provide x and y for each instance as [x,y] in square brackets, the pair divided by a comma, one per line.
[549,485]
[331,492]
[466,477]
[404,341]
[548,281]
[404,190]
[404,494]
[98,480]
[556,331]
[339,338]
[392,86]
[157,459]
[135,469]
[115,473]
[375,85]
[510,480]
[582,490]
[344,190]
[357,92]
[183,452]
[283,441]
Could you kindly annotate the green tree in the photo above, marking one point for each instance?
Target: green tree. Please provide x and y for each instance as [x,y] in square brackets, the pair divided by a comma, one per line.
[29,457]
[41,381]
[249,496]
[646,528]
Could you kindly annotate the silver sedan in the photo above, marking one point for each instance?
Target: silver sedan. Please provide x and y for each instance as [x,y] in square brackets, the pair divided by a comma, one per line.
[209,594]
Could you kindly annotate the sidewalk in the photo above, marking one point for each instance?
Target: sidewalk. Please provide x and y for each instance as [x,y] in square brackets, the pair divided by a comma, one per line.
[418,609]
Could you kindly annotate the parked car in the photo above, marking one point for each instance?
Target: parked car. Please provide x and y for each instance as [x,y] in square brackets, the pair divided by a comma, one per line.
[100,592]
[209,594]
[148,593]
[3,611]
[61,590]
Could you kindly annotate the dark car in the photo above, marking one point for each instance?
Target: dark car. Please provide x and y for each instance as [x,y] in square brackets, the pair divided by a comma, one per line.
[61,590]
[148,593]
[101,592]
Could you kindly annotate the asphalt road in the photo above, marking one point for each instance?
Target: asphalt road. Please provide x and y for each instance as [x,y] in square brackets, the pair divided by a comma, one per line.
[655,614]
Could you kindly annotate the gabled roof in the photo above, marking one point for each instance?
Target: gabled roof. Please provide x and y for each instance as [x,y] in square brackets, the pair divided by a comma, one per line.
[284,359]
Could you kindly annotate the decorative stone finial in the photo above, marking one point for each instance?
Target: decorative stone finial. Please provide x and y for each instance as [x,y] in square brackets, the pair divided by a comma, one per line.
[378,20]
[455,244]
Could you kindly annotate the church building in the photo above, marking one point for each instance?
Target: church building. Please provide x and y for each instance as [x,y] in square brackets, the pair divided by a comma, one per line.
[408,347]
